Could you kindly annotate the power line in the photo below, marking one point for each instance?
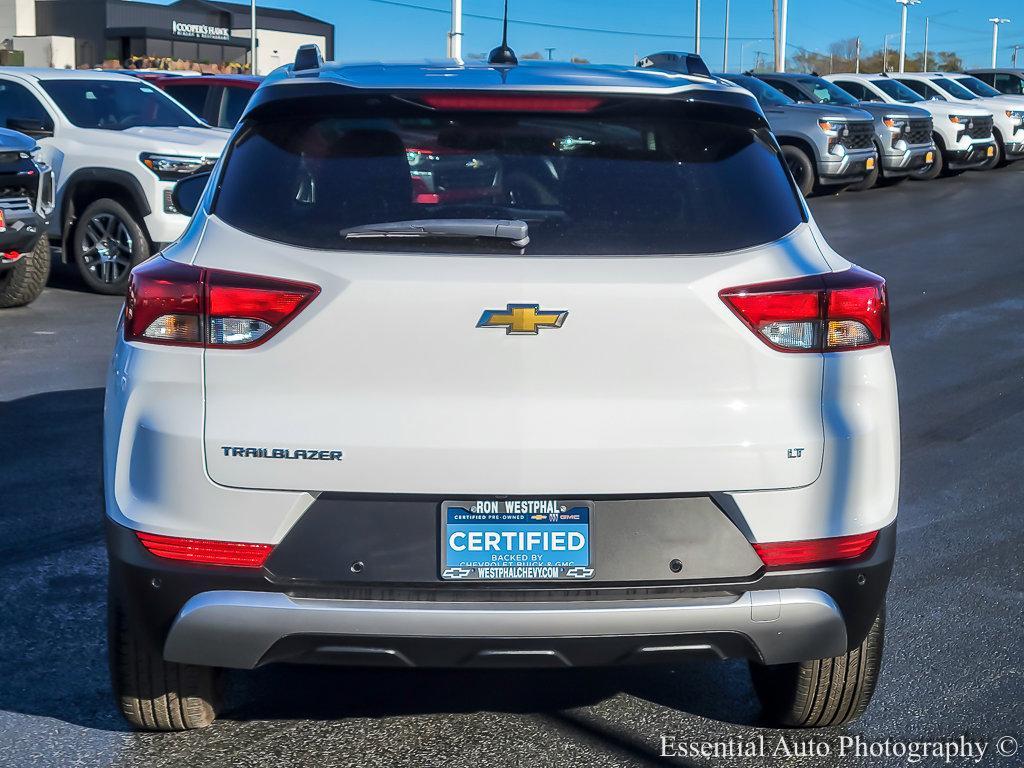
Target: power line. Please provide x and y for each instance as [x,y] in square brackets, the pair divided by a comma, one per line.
[547,25]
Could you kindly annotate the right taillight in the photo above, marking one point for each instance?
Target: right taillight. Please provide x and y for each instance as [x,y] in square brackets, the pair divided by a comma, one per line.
[831,312]
[184,305]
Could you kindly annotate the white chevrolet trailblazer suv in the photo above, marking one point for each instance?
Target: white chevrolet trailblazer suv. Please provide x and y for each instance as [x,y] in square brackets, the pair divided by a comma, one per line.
[599,393]
[963,132]
[116,145]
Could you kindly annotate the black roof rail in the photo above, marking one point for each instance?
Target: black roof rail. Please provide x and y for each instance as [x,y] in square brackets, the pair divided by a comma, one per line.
[308,58]
[677,61]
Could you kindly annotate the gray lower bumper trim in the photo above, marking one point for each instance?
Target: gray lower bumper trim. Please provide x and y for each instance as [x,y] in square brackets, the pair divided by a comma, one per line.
[236,629]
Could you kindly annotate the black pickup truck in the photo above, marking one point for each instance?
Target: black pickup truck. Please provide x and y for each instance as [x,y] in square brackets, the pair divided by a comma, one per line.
[26,203]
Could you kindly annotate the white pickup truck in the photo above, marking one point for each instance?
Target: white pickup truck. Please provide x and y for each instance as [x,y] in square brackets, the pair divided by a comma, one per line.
[117,145]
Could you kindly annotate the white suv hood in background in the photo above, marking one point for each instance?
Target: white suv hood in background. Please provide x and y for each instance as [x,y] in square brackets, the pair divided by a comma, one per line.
[207,142]
[651,385]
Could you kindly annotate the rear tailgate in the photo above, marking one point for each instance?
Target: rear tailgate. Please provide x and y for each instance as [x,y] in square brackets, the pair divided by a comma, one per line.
[651,385]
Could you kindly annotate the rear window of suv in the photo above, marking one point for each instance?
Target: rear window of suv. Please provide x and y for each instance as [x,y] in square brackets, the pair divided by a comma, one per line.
[623,183]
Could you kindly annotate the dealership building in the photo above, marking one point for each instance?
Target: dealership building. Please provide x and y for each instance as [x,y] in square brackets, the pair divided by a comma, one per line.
[93,33]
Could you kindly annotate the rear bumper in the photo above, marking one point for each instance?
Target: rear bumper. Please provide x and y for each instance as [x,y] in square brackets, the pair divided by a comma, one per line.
[246,629]
[244,618]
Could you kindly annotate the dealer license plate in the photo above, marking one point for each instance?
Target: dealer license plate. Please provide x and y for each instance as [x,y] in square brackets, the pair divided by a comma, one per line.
[516,540]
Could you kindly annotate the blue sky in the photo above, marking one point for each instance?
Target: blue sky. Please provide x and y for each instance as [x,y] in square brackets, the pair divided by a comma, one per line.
[401,29]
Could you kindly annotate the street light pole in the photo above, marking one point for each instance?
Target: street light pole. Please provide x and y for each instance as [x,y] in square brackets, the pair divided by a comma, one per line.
[858,55]
[696,28]
[253,69]
[995,35]
[780,59]
[455,36]
[725,50]
[903,29]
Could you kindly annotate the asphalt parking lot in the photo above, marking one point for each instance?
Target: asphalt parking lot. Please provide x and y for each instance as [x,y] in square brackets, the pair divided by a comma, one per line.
[954,257]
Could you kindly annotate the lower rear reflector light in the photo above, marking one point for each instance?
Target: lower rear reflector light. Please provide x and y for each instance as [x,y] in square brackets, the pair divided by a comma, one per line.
[787,554]
[232,553]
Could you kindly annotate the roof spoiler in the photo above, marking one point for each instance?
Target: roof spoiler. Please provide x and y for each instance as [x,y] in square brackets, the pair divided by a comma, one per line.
[677,61]
[308,58]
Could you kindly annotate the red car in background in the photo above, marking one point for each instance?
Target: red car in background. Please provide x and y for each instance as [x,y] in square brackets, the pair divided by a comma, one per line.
[216,99]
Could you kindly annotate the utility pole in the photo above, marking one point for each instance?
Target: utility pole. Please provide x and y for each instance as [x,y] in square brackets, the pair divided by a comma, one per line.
[696,28]
[455,36]
[903,29]
[775,31]
[926,20]
[725,50]
[253,69]
[780,61]
[885,51]
[995,35]
[858,55]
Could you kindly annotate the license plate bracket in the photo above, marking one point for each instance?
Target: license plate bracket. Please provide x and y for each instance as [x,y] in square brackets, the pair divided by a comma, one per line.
[516,540]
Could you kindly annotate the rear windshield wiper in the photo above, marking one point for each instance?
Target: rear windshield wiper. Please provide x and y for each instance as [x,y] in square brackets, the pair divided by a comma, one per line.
[514,230]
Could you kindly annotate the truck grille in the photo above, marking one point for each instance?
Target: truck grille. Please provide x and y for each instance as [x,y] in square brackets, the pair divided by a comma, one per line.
[919,130]
[980,127]
[16,204]
[858,135]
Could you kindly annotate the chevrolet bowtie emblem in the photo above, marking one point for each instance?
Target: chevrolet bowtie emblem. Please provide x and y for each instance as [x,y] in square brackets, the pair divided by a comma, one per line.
[520,319]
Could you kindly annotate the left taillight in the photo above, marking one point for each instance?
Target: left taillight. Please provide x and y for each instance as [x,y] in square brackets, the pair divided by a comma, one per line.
[185,305]
[831,312]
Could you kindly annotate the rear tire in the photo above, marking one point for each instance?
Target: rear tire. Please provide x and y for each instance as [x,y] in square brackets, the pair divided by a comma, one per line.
[802,168]
[153,694]
[823,692]
[106,243]
[22,283]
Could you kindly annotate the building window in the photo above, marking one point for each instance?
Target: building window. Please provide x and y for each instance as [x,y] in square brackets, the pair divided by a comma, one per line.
[210,54]
[158,48]
[186,51]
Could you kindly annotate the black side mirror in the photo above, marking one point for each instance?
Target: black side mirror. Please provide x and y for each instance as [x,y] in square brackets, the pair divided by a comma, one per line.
[186,193]
[31,126]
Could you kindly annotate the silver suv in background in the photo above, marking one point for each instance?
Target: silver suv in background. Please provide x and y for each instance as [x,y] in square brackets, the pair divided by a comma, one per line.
[962,133]
[903,135]
[824,146]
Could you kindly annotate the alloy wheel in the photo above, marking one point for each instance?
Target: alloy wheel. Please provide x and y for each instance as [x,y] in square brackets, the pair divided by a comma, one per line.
[107,247]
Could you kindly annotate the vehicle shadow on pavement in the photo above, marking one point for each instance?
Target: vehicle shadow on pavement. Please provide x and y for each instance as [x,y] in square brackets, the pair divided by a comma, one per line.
[52,563]
[718,691]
